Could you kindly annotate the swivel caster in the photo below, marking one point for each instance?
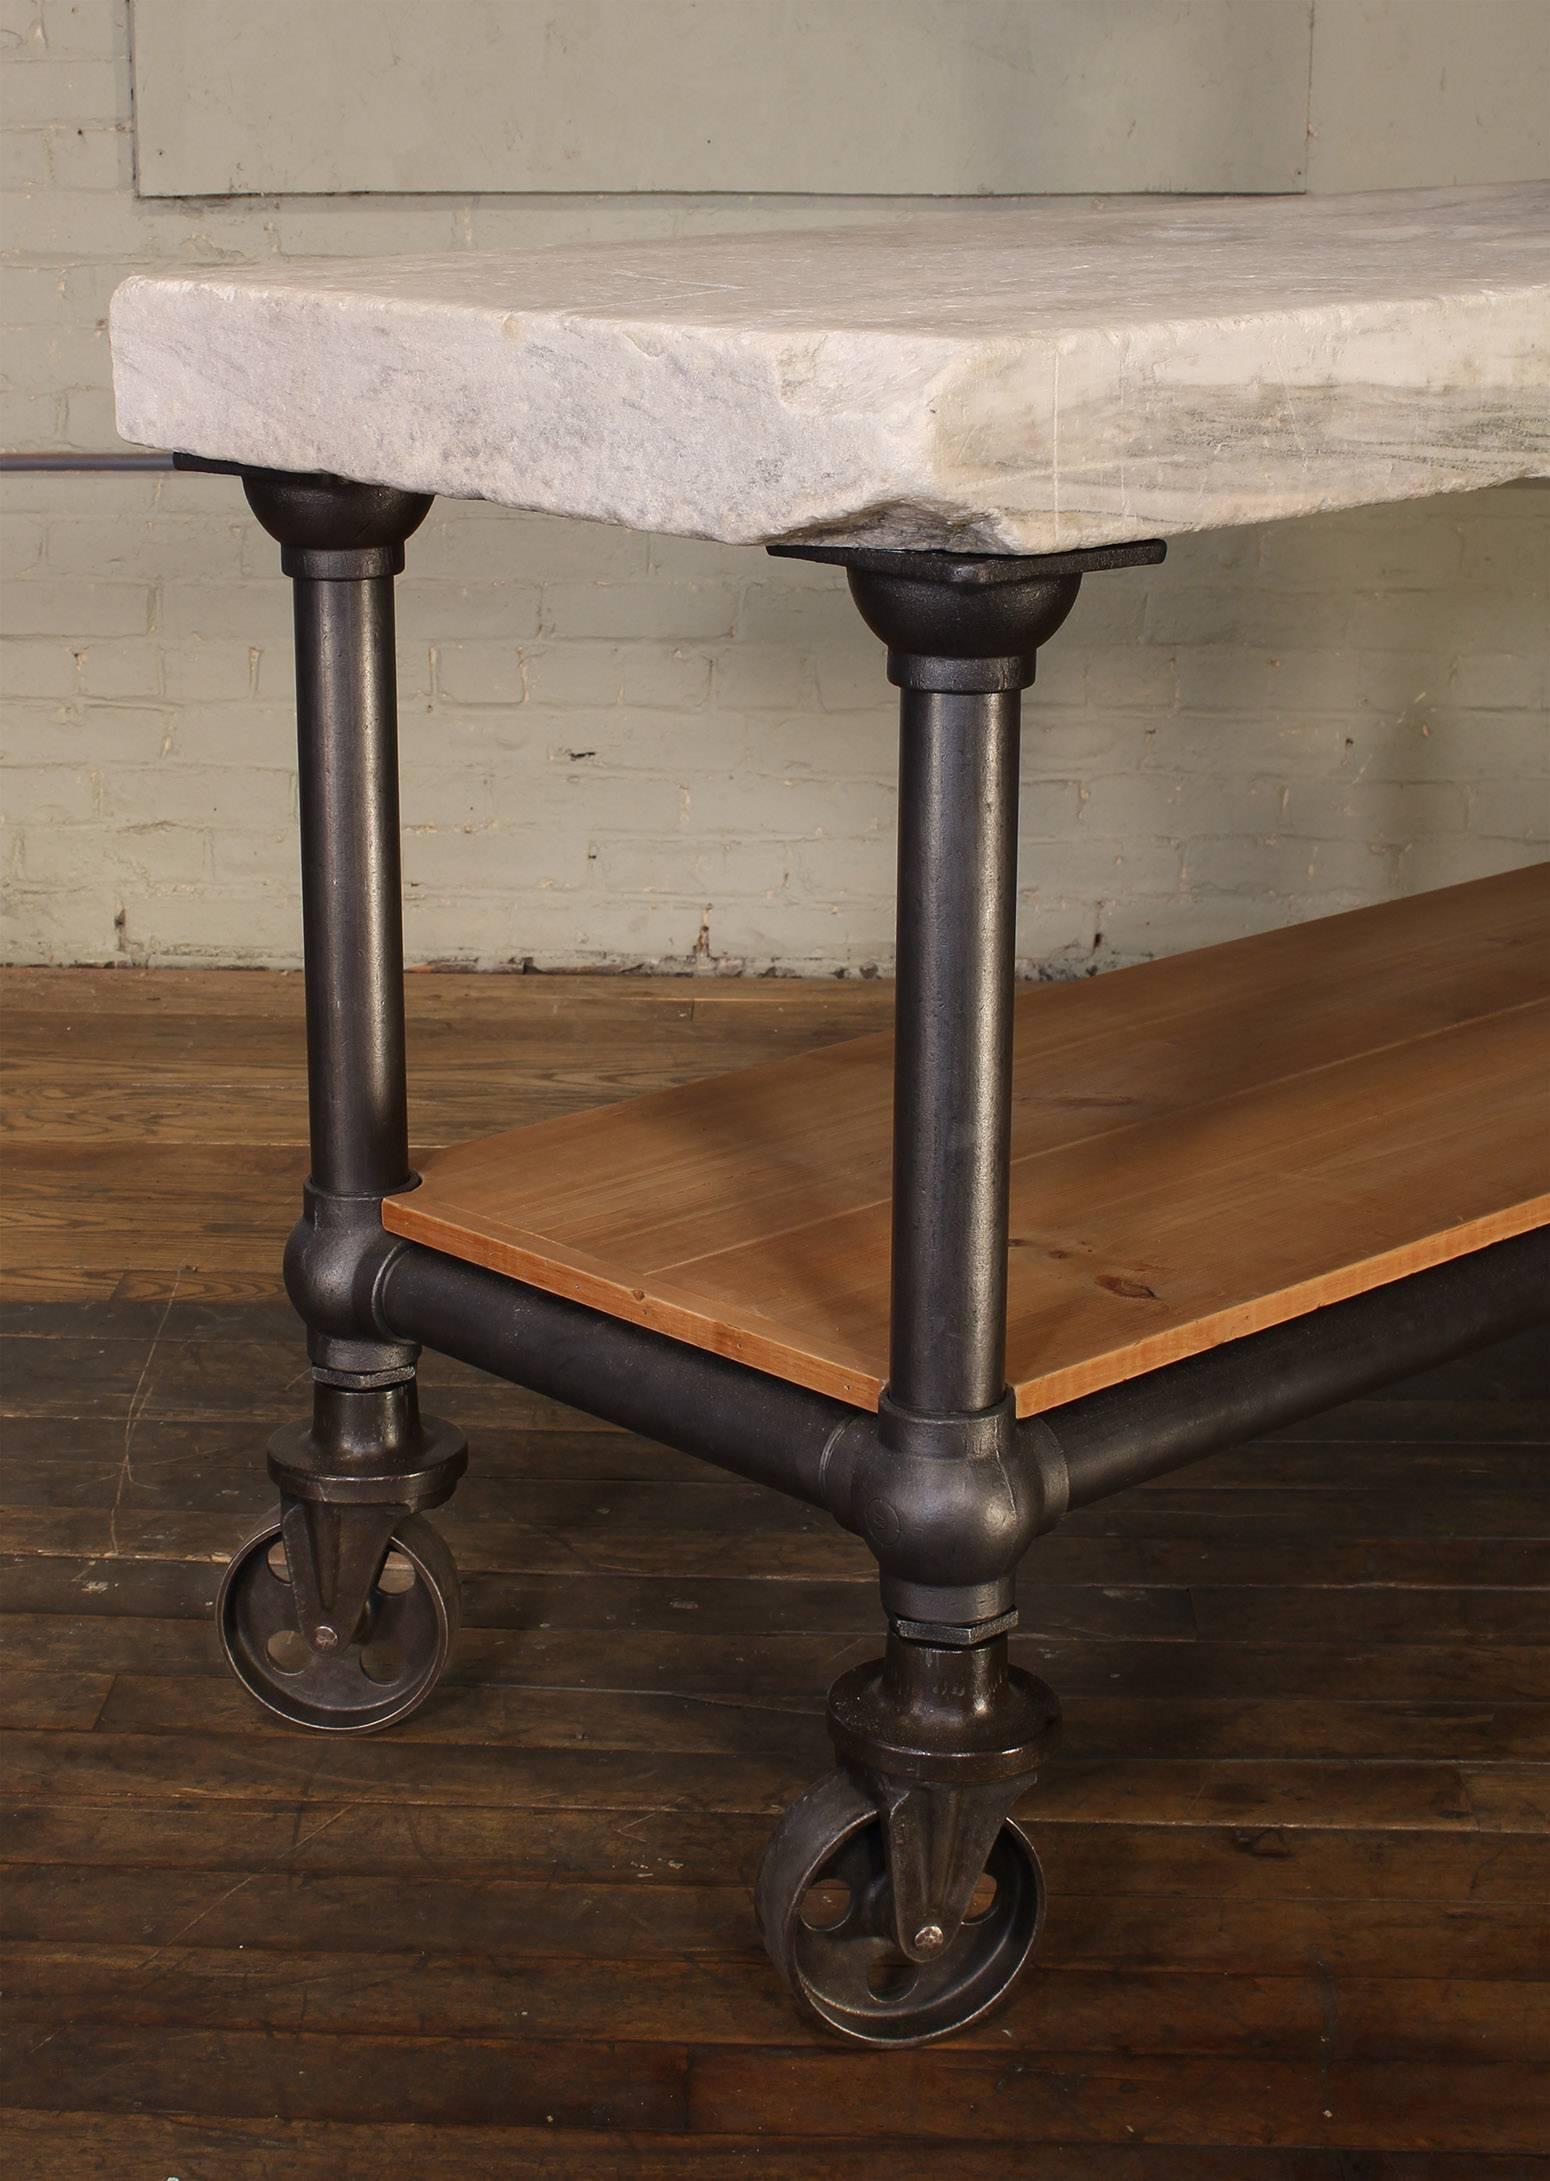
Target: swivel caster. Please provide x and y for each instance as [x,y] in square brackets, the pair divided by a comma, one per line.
[341,1682]
[826,1913]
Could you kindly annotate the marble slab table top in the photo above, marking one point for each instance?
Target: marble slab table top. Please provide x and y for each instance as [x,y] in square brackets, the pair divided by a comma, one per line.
[1004,378]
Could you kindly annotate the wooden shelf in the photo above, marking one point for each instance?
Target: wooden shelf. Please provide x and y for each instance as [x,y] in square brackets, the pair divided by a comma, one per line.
[1202,1147]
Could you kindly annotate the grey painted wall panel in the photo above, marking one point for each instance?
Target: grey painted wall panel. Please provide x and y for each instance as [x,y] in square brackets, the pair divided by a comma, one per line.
[1407,93]
[873,96]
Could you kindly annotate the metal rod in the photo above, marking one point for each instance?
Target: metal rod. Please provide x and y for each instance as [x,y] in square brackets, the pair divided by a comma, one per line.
[958,763]
[346,710]
[779,1434]
[116,459]
[740,1419]
[1252,1386]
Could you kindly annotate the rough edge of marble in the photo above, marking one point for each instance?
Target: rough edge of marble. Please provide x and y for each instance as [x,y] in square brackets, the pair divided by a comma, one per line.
[756,436]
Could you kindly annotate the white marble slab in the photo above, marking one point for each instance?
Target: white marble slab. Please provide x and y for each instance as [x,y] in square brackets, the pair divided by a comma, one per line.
[1008,378]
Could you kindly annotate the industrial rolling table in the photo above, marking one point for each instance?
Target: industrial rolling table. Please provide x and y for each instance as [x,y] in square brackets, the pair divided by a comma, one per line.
[1035,1247]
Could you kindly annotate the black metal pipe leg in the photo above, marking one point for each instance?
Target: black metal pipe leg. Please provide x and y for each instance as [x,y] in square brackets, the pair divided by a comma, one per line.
[346,719]
[934,1895]
[957,903]
[962,635]
[339,1615]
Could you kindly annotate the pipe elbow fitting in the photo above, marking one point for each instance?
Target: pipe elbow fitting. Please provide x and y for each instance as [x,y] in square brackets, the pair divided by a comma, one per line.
[948,1505]
[336,1259]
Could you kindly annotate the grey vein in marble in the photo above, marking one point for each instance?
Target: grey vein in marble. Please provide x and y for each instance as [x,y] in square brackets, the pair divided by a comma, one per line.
[1012,378]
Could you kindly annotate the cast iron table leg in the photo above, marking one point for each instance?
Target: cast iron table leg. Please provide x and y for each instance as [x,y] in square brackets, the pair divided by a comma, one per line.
[898,1898]
[340,1614]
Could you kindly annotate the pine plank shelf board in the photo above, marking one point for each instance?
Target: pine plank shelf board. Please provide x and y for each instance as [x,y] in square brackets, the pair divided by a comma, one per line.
[1202,1147]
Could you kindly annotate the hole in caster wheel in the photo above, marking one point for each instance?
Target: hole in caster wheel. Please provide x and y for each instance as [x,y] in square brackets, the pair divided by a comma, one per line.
[387,1669]
[981,1901]
[890,1979]
[397,1574]
[382,1663]
[826,1913]
[288,1650]
[825,1906]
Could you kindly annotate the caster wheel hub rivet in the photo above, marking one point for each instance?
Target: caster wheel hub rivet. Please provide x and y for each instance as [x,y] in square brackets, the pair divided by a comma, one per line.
[325,1639]
[928,1938]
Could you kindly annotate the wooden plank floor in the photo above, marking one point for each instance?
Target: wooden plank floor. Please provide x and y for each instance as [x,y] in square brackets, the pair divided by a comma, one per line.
[1297,1837]
[1201,1148]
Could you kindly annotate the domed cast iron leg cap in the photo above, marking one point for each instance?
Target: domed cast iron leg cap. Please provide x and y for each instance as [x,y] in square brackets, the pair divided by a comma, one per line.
[382,1673]
[825,1915]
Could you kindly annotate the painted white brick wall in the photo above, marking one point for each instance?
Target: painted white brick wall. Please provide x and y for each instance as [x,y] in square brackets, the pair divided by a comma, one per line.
[621,750]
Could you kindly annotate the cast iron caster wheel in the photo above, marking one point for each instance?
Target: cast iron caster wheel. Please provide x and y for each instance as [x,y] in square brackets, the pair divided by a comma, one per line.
[380,1678]
[825,1914]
